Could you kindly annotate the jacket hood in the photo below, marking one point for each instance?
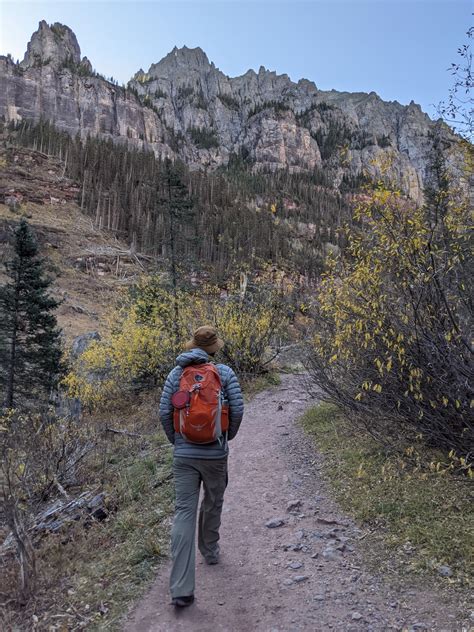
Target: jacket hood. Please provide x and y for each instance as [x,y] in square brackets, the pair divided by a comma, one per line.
[194,356]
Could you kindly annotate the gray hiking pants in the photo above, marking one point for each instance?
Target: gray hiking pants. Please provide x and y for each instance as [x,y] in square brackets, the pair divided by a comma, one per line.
[188,475]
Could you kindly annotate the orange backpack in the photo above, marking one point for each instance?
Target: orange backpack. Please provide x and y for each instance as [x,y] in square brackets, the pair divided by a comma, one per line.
[199,414]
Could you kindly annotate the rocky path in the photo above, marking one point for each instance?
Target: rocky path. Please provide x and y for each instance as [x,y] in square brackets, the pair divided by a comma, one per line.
[290,560]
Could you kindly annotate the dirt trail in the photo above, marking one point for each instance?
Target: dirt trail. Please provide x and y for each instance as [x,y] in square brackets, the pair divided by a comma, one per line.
[306,575]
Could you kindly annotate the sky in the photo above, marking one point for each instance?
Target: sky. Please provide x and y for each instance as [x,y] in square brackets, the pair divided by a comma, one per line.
[401,49]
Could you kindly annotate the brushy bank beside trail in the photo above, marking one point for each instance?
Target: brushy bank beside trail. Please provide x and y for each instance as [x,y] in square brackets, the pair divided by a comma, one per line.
[89,572]
[417,512]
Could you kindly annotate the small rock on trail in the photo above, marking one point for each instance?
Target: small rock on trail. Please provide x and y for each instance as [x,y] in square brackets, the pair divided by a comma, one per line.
[293,505]
[274,523]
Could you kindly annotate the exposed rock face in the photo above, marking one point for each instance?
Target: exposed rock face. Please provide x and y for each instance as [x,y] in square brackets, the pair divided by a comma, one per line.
[184,106]
[52,82]
[51,45]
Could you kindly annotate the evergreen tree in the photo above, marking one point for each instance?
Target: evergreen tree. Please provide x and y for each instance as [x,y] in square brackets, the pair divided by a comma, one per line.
[210,221]
[29,337]
[179,213]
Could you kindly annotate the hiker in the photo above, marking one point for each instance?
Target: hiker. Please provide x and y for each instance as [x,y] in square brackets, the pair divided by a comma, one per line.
[201,409]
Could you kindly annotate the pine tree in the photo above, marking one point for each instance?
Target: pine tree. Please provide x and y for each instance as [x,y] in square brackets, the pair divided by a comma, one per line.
[29,337]
[218,219]
[179,214]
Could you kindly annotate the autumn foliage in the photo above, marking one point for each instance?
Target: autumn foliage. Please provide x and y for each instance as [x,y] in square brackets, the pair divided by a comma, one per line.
[149,329]
[392,343]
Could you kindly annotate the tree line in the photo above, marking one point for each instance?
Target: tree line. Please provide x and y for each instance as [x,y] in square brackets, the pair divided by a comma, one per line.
[238,217]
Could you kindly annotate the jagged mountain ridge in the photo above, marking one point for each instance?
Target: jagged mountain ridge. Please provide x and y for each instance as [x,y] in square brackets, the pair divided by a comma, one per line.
[186,107]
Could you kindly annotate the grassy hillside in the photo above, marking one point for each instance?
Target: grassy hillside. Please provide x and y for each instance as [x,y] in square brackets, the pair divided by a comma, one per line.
[89,266]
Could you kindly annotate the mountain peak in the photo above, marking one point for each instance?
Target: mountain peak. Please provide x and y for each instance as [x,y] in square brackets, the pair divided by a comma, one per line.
[51,44]
[181,58]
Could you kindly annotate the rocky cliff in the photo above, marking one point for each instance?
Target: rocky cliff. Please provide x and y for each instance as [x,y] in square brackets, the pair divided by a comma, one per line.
[186,107]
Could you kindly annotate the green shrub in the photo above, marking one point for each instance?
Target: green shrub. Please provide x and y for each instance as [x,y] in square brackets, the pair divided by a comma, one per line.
[185,91]
[160,94]
[203,138]
[229,101]
[278,106]
[384,141]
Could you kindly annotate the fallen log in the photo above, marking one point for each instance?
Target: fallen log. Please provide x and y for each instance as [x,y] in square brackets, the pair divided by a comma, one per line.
[125,433]
[62,512]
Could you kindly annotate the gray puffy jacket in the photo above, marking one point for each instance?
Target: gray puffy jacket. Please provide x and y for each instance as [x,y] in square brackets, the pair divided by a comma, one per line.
[232,397]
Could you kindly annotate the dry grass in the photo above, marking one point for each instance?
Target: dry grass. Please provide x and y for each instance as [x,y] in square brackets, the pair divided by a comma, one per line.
[252,386]
[419,518]
[66,237]
[89,573]
[88,276]
[74,567]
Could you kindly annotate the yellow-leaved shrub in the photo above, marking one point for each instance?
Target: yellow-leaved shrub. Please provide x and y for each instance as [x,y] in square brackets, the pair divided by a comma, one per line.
[392,345]
[151,325]
[252,323]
